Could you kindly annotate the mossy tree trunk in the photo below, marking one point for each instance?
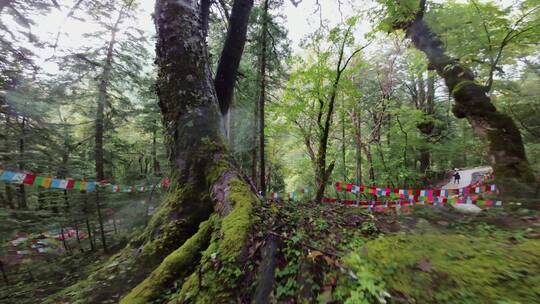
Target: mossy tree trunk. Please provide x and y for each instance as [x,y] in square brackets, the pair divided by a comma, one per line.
[498,131]
[196,246]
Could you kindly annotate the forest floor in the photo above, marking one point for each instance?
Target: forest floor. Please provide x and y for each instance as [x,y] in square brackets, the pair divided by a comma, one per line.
[331,253]
[33,277]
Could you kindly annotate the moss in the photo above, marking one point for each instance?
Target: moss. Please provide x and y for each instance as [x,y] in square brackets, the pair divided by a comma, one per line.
[236,226]
[176,265]
[216,170]
[222,262]
[174,222]
[456,268]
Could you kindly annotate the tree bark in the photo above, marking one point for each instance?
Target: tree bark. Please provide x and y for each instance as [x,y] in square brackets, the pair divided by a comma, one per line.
[425,103]
[498,131]
[262,99]
[357,122]
[100,220]
[205,13]
[255,144]
[232,53]
[21,188]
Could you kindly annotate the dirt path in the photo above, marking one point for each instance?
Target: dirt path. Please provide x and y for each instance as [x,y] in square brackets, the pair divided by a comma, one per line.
[467,177]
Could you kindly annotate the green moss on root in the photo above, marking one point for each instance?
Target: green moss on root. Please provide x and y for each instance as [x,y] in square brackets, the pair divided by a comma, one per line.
[176,265]
[222,262]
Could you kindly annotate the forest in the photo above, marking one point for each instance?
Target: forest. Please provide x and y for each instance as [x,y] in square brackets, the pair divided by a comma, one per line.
[269,151]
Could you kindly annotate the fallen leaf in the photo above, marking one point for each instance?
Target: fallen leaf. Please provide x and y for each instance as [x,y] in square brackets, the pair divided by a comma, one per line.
[314,254]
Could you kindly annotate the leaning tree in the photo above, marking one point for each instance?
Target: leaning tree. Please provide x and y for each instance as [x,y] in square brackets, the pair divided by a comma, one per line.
[497,130]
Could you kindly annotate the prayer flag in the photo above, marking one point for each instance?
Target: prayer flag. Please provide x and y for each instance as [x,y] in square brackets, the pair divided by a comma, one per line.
[55,184]
[46,183]
[29,179]
[90,186]
[7,176]
[70,184]
[291,195]
[38,181]
[18,178]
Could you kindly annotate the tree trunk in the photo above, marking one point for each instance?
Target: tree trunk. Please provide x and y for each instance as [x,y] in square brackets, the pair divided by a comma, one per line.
[21,188]
[232,53]
[255,144]
[426,97]
[202,231]
[89,230]
[323,173]
[369,157]
[497,130]
[262,99]
[357,122]
[156,170]
[100,220]
[102,97]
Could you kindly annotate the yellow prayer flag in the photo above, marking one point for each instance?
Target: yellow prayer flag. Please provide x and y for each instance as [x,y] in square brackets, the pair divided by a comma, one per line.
[46,183]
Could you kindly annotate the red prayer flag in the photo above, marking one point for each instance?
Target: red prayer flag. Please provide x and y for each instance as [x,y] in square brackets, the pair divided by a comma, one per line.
[29,179]
[349,187]
[338,186]
[70,184]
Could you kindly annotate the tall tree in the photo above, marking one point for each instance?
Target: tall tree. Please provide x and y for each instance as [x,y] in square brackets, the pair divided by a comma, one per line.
[209,210]
[262,98]
[102,95]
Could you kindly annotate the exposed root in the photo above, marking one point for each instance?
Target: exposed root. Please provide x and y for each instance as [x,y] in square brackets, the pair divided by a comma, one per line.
[177,265]
[267,269]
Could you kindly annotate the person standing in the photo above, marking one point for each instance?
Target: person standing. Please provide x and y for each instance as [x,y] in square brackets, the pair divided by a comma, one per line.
[457,177]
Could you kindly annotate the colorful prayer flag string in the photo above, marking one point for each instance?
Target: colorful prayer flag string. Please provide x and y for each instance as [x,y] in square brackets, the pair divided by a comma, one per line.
[48,182]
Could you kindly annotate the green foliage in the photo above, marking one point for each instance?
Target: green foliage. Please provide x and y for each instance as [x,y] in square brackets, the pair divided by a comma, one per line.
[368,288]
[396,12]
[487,36]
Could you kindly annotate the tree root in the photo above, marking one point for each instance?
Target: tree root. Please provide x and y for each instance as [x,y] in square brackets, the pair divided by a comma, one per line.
[177,265]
